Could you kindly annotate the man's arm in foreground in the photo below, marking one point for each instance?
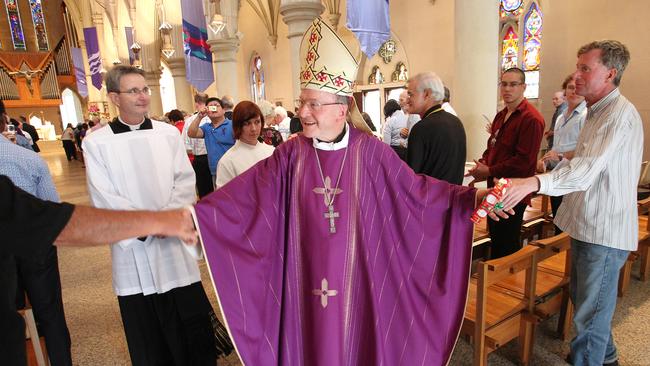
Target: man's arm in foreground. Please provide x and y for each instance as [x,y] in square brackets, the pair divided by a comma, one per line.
[93,226]
[194,131]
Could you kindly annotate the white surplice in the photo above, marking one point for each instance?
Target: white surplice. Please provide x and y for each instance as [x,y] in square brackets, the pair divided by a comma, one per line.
[143,170]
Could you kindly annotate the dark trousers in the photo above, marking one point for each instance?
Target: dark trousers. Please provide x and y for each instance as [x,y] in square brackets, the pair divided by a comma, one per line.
[174,328]
[505,234]
[401,151]
[201,167]
[39,277]
[555,204]
[70,150]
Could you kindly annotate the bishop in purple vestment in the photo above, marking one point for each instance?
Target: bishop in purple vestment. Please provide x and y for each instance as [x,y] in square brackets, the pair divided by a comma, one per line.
[333,251]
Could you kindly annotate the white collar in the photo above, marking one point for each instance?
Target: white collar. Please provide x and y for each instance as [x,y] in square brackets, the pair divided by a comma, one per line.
[132,127]
[333,146]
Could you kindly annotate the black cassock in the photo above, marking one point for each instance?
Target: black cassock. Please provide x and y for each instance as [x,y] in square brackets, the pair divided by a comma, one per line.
[437,146]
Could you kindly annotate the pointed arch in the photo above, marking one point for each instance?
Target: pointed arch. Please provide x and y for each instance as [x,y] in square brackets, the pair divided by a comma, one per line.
[15,25]
[509,46]
[532,37]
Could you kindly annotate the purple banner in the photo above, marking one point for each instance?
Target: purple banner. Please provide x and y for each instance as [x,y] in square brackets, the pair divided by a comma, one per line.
[129,43]
[94,59]
[79,71]
[370,22]
[198,57]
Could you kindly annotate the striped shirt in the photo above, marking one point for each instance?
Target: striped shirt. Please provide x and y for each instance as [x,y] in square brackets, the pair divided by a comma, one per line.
[600,182]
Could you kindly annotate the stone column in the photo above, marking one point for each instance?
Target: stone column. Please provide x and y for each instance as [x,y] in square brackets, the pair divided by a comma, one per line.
[476,72]
[184,98]
[224,54]
[298,15]
[153,82]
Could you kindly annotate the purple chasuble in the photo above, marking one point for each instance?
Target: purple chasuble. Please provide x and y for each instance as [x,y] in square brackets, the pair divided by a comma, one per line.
[387,288]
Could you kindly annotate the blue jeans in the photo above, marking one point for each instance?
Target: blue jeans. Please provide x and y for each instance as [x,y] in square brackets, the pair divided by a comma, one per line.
[594,285]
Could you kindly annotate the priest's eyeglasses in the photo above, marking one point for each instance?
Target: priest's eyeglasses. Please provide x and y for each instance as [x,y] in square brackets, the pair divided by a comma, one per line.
[313,105]
[135,91]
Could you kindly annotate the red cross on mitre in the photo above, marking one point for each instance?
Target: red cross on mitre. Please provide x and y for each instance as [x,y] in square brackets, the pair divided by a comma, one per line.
[321,76]
[306,75]
[314,37]
[310,56]
[338,81]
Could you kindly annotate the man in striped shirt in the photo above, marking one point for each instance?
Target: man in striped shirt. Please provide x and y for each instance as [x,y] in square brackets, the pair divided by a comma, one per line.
[599,208]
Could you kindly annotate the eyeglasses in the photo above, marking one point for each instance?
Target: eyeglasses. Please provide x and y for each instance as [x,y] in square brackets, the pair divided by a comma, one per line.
[314,105]
[135,91]
[513,84]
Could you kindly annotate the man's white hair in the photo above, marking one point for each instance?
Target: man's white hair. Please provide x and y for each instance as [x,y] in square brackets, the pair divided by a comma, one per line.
[279,110]
[431,81]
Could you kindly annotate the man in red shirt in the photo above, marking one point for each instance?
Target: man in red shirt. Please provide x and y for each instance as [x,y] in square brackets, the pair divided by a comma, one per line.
[512,149]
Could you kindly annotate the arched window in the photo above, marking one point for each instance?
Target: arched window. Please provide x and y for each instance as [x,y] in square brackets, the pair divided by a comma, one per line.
[509,49]
[39,24]
[526,54]
[532,49]
[13,15]
[257,78]
[510,9]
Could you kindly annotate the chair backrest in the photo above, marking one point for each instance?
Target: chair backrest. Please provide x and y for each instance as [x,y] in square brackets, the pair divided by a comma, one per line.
[495,270]
[552,246]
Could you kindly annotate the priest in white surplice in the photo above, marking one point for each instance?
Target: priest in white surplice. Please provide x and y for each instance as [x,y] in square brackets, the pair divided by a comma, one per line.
[137,164]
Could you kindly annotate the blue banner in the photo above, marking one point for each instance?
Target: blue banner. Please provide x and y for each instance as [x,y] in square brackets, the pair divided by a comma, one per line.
[198,57]
[370,22]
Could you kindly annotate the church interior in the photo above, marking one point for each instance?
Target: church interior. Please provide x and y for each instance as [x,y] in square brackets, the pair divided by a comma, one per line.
[54,53]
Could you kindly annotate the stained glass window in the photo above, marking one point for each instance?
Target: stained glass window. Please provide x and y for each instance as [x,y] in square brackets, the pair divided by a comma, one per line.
[17,35]
[510,8]
[257,79]
[39,24]
[509,49]
[532,38]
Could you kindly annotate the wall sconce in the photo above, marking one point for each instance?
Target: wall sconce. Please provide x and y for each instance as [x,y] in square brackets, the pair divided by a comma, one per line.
[167,46]
[136,48]
[217,24]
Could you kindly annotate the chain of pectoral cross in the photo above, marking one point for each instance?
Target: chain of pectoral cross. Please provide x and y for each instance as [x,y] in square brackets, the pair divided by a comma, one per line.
[328,193]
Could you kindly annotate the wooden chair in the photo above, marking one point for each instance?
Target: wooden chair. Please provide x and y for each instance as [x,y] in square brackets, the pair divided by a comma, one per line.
[641,253]
[493,317]
[644,239]
[536,218]
[552,281]
[32,334]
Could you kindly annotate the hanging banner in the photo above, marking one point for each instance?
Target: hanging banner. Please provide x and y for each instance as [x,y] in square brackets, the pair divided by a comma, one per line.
[370,23]
[94,59]
[198,57]
[129,43]
[79,71]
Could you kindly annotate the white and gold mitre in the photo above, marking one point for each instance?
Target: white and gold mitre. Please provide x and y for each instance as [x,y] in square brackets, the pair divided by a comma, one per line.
[326,64]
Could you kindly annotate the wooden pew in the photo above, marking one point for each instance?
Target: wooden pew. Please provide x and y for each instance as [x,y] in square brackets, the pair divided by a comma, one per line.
[552,283]
[492,317]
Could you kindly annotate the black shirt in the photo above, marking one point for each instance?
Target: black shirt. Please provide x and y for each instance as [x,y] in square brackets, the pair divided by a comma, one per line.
[437,146]
[31,130]
[28,225]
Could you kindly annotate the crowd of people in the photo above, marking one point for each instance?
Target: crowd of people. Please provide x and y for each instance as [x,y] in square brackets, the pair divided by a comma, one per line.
[310,232]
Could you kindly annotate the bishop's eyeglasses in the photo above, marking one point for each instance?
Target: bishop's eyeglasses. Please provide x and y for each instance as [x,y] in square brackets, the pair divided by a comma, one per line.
[313,105]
